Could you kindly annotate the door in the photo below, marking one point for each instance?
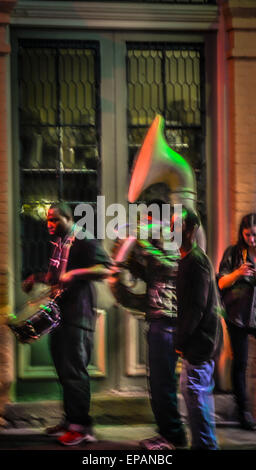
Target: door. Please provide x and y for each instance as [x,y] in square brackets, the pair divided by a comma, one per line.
[82,107]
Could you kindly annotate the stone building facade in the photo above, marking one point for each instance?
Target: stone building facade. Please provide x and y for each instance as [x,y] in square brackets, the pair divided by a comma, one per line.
[230,27]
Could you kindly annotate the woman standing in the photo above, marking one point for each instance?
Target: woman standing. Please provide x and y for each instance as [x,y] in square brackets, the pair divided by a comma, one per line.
[237,282]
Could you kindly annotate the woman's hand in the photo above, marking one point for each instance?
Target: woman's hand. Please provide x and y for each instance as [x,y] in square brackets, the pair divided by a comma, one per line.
[228,280]
[245,269]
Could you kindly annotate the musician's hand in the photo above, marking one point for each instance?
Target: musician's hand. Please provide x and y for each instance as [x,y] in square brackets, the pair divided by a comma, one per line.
[67,278]
[113,273]
[28,284]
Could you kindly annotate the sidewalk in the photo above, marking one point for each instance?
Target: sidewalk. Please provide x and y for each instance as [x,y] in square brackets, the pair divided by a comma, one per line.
[120,423]
[116,437]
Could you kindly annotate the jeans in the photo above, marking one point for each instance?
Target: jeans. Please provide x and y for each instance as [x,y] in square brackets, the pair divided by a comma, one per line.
[163,380]
[197,386]
[71,348]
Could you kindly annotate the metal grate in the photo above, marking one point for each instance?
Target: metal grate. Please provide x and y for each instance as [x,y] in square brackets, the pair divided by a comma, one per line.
[168,79]
[59,133]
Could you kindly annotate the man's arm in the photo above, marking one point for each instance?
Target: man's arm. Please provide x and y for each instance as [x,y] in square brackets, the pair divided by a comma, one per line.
[98,271]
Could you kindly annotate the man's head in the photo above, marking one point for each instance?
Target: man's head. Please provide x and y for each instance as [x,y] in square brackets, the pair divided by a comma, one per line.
[190,225]
[59,219]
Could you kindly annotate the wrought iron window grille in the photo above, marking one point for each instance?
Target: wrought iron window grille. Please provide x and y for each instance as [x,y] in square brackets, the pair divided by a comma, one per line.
[168,79]
[59,131]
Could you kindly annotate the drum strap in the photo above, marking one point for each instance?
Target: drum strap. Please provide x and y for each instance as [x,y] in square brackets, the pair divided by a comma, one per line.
[59,259]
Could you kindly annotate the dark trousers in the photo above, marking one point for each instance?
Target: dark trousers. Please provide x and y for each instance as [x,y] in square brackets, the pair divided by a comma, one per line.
[239,343]
[163,379]
[71,349]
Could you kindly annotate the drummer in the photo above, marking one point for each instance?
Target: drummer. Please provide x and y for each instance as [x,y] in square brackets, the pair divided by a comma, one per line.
[74,262]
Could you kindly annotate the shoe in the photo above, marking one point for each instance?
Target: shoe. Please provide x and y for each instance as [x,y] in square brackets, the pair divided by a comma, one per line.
[178,440]
[247,422]
[57,430]
[156,443]
[73,438]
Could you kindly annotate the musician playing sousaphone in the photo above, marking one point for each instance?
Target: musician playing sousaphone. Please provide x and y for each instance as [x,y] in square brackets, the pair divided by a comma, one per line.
[74,262]
[157,264]
[154,262]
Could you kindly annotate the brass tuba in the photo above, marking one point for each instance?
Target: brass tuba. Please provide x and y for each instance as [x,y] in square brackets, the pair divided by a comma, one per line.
[155,163]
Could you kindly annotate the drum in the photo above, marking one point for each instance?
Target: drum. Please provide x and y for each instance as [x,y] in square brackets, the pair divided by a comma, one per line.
[36,318]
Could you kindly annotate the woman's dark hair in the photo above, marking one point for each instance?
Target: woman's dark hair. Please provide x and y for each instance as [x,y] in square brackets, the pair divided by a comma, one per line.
[63,208]
[247,221]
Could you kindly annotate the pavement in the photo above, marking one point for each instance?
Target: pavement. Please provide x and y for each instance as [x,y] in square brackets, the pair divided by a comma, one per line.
[23,439]
[117,437]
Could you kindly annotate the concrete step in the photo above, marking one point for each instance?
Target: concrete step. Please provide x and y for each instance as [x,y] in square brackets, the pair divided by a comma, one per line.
[107,409]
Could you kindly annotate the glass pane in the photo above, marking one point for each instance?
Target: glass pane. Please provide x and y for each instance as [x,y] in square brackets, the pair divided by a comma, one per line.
[38,86]
[77,87]
[39,187]
[182,79]
[81,187]
[145,86]
[39,147]
[79,148]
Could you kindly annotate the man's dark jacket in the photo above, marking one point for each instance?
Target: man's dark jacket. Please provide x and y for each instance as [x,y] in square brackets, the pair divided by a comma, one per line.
[198,306]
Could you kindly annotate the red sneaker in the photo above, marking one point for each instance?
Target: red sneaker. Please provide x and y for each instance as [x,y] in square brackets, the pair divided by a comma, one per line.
[73,438]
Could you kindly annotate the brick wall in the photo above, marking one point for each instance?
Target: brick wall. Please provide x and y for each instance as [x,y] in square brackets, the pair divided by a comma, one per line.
[4,50]
[3,187]
[6,340]
[241,57]
[245,136]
